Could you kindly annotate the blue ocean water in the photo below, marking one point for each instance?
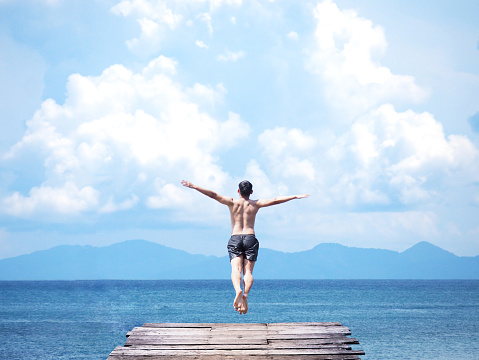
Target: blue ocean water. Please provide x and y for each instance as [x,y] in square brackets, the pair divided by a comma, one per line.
[407,319]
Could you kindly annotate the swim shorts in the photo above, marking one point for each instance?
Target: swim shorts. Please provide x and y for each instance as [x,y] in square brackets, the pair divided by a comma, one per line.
[246,245]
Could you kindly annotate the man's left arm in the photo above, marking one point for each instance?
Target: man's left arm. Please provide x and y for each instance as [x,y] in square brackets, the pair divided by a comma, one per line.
[210,193]
[279,200]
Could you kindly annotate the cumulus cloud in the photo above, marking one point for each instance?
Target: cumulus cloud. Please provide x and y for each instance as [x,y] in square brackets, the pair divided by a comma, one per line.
[262,182]
[156,17]
[168,196]
[292,35]
[345,56]
[384,158]
[217,3]
[113,206]
[206,18]
[201,44]
[120,134]
[144,9]
[45,200]
[231,56]
[285,150]
[391,156]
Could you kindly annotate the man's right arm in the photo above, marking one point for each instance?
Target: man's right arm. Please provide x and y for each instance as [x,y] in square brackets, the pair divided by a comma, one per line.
[279,200]
[210,193]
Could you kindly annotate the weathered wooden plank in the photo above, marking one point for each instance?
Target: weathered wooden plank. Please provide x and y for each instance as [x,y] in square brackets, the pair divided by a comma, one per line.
[245,325]
[238,357]
[237,347]
[235,325]
[179,325]
[235,333]
[302,324]
[242,352]
[246,333]
[310,331]
[244,342]
[308,328]
[151,340]
[197,340]
[252,333]
[169,333]
[299,336]
[336,330]
[309,342]
[239,327]
[196,332]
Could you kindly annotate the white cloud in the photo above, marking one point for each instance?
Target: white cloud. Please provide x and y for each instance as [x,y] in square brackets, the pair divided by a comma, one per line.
[201,44]
[119,134]
[405,153]
[280,140]
[292,35]
[217,3]
[150,39]
[207,94]
[262,186]
[157,17]
[46,200]
[385,157]
[152,10]
[345,58]
[112,206]
[206,18]
[154,17]
[231,56]
[168,196]
[285,150]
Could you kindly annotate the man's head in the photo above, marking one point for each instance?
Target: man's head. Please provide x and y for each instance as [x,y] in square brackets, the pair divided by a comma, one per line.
[245,188]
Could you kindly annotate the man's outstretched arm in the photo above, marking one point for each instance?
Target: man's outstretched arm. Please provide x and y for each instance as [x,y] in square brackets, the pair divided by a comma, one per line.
[279,200]
[210,193]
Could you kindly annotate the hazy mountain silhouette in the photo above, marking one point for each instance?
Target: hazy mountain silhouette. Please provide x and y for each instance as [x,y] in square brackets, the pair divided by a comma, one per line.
[139,259]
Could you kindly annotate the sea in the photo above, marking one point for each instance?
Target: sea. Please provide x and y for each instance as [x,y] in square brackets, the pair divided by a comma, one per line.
[392,319]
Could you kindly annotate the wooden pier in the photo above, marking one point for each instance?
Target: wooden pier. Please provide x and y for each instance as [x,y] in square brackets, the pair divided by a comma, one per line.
[274,341]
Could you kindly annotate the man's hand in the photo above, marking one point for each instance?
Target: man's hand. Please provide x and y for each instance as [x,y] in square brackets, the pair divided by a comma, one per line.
[187,184]
[302,196]
[225,200]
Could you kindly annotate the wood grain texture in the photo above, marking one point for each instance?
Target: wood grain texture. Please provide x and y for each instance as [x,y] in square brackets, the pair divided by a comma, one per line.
[209,341]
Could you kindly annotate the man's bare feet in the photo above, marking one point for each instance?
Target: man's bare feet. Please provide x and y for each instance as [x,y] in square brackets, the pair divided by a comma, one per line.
[244,308]
[238,303]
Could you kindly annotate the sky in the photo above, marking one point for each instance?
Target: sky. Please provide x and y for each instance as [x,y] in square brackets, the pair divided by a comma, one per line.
[372,107]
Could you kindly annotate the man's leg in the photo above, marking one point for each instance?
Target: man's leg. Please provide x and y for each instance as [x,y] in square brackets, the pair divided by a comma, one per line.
[248,267]
[236,270]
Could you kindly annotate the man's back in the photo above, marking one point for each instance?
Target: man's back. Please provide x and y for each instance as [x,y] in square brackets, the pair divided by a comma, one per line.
[243,214]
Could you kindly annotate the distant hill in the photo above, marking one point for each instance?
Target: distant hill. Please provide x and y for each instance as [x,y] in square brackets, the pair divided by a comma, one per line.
[143,260]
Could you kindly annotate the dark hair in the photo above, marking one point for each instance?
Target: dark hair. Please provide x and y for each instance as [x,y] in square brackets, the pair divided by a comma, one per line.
[245,188]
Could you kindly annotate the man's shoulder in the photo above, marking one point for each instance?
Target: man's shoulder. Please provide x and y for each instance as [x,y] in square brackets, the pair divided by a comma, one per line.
[245,201]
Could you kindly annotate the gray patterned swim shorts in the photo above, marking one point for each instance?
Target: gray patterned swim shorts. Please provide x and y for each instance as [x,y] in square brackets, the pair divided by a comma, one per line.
[246,245]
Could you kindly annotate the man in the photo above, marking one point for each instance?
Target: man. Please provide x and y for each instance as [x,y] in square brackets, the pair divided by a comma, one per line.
[243,245]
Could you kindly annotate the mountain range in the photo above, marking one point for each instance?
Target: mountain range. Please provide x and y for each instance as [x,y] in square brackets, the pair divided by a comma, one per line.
[144,260]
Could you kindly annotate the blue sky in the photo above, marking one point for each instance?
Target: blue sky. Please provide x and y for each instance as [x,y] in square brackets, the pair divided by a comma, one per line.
[372,107]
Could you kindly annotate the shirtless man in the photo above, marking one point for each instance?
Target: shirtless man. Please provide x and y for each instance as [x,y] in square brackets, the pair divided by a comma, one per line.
[243,245]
